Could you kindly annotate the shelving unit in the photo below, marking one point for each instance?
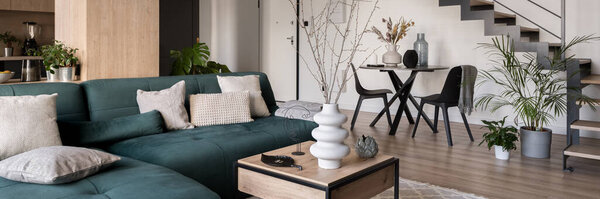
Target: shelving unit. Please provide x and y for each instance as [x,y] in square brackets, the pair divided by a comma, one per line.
[18,81]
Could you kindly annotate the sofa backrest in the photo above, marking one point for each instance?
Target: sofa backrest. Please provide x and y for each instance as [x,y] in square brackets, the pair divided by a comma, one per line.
[112,98]
[70,104]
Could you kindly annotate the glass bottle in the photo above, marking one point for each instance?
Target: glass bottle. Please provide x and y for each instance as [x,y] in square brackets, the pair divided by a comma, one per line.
[422,48]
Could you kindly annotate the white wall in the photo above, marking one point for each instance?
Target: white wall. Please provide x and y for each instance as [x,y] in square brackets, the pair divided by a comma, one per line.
[454,42]
[231,30]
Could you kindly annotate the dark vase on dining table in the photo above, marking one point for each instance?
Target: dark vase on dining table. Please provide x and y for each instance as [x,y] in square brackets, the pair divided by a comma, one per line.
[410,58]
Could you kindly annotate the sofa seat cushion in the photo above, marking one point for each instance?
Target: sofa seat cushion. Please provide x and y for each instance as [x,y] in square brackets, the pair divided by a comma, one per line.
[207,154]
[126,179]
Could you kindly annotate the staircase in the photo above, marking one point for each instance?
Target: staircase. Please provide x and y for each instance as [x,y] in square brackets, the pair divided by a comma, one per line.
[526,39]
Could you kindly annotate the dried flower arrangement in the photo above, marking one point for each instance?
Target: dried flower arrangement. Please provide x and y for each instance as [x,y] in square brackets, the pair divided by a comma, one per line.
[395,32]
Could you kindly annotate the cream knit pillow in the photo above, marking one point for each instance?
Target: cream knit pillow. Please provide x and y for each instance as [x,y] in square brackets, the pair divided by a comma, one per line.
[220,108]
[26,123]
[250,83]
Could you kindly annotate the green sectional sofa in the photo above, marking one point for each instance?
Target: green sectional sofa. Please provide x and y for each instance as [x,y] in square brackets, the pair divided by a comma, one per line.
[193,163]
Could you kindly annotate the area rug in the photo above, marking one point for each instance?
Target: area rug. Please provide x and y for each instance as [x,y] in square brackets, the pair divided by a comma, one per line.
[417,190]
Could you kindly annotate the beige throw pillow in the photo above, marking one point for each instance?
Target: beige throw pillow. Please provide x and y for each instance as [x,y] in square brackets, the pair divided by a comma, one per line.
[55,164]
[220,108]
[169,102]
[26,123]
[250,83]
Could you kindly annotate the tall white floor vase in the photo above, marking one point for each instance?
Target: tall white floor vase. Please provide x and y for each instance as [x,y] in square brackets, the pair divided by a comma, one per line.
[330,148]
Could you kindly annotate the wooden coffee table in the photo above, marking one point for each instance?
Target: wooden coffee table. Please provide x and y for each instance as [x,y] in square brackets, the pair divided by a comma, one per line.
[357,178]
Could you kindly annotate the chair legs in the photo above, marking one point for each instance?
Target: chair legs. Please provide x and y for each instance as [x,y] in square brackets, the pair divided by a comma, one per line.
[467,126]
[447,125]
[360,99]
[418,119]
[387,110]
[436,118]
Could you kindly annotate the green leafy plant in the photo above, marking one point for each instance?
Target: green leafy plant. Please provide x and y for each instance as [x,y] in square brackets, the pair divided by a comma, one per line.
[194,60]
[58,55]
[500,135]
[536,94]
[8,39]
[33,52]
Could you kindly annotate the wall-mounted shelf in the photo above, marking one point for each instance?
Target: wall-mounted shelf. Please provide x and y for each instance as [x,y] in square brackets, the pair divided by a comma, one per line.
[20,58]
[18,81]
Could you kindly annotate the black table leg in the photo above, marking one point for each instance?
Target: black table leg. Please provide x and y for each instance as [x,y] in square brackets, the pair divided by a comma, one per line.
[404,93]
[398,85]
[397,179]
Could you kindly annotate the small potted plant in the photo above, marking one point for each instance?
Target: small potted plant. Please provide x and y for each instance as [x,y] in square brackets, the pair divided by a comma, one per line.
[501,137]
[8,39]
[58,57]
[395,33]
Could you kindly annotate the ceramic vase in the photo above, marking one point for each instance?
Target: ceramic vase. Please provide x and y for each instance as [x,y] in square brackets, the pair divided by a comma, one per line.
[410,58]
[501,154]
[330,148]
[392,57]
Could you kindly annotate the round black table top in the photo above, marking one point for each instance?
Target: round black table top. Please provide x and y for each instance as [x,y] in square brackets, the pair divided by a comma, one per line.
[404,68]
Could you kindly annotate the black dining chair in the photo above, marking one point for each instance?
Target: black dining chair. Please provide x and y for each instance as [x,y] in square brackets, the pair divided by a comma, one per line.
[369,94]
[448,98]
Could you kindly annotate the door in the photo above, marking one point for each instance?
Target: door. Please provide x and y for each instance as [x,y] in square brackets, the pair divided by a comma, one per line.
[278,47]
[178,29]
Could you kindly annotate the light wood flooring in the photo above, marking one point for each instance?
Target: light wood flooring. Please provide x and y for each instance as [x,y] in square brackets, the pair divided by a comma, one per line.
[471,168]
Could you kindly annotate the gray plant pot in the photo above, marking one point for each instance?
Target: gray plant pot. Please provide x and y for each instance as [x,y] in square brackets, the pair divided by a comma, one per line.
[8,52]
[52,77]
[536,144]
[66,74]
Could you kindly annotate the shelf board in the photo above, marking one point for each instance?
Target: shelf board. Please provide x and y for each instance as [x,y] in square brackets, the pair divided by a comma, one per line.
[591,79]
[18,81]
[19,58]
[583,151]
[586,125]
[585,61]
[481,3]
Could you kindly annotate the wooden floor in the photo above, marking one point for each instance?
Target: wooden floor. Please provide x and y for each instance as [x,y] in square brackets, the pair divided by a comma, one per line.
[471,168]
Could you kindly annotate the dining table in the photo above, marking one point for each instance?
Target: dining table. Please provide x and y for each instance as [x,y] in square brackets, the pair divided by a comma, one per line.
[403,93]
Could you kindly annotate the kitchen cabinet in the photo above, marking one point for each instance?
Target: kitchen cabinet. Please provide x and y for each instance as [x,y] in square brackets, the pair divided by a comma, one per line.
[32,5]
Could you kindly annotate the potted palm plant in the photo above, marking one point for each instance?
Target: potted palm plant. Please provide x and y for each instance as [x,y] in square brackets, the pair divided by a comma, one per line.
[537,94]
[501,137]
[8,39]
[60,61]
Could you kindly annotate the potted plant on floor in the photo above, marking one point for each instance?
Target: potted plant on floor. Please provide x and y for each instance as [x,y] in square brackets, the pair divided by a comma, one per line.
[501,137]
[8,39]
[60,61]
[333,44]
[194,61]
[537,94]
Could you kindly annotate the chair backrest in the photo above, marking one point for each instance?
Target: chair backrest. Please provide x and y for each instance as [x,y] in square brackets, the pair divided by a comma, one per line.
[359,89]
[451,90]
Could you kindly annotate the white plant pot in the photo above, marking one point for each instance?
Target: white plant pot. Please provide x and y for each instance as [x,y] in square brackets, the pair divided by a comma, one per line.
[501,154]
[330,148]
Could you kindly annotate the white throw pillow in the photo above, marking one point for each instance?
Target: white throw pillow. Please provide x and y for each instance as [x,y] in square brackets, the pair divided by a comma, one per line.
[55,164]
[169,102]
[251,83]
[26,123]
[220,108]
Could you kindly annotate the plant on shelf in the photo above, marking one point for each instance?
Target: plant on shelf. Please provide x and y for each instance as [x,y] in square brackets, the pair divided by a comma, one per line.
[333,45]
[536,94]
[501,137]
[58,55]
[395,33]
[194,60]
[33,52]
[8,39]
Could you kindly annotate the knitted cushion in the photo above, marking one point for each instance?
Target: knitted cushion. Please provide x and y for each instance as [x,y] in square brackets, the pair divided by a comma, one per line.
[220,108]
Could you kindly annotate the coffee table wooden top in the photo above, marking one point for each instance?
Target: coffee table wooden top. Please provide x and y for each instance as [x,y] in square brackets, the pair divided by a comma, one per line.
[351,165]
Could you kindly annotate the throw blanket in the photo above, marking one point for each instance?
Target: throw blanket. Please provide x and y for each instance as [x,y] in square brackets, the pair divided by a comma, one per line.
[467,89]
[298,110]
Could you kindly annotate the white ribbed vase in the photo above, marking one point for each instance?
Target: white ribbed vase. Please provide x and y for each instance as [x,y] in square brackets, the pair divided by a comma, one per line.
[330,148]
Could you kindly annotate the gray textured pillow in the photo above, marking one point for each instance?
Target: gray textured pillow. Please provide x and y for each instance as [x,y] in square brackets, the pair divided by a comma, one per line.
[250,83]
[169,102]
[220,108]
[26,123]
[55,164]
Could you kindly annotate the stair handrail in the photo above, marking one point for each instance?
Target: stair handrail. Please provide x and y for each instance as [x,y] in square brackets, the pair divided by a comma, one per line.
[544,8]
[536,24]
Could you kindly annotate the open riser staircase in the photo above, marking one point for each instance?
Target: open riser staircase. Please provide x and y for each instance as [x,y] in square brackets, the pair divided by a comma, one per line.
[526,39]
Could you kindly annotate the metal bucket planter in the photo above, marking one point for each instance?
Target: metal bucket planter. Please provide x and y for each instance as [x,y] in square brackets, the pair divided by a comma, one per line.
[52,77]
[536,144]
[66,74]
[8,52]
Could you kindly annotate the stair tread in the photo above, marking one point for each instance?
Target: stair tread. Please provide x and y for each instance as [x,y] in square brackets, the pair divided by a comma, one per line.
[585,61]
[591,79]
[528,29]
[579,102]
[481,3]
[586,125]
[554,44]
[583,151]
[503,15]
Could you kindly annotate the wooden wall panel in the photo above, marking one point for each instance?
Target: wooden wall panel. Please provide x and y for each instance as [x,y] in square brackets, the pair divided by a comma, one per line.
[117,39]
[4,4]
[32,5]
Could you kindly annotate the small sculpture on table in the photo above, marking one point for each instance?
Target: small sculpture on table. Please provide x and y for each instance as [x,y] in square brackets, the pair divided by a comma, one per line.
[366,147]
[295,112]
